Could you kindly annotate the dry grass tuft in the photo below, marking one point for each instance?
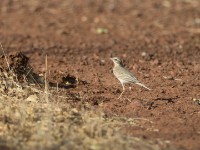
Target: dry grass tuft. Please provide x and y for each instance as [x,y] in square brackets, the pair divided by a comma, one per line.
[43,126]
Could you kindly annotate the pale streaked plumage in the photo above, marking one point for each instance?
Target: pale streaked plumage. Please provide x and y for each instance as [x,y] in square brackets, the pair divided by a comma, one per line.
[123,75]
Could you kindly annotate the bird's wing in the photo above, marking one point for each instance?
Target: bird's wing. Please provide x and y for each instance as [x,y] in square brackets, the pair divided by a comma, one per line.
[127,76]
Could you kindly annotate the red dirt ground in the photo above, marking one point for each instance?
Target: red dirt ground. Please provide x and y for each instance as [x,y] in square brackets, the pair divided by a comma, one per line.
[158,40]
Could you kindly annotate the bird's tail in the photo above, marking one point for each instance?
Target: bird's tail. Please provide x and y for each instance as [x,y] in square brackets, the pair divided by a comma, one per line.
[138,83]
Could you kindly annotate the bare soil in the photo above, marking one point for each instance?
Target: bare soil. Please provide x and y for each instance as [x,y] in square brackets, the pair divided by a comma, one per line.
[158,40]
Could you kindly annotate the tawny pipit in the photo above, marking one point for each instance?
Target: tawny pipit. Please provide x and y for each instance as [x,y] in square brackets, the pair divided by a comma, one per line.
[123,75]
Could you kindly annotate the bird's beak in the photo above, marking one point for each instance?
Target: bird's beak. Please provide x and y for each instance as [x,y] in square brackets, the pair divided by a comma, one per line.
[111,59]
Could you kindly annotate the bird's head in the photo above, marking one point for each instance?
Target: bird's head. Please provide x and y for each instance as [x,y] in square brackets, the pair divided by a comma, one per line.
[116,61]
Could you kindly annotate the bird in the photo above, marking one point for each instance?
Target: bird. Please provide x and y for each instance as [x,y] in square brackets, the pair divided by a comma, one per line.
[123,75]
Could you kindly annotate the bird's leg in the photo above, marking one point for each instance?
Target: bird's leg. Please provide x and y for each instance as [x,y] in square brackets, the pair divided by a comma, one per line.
[122,91]
[130,88]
